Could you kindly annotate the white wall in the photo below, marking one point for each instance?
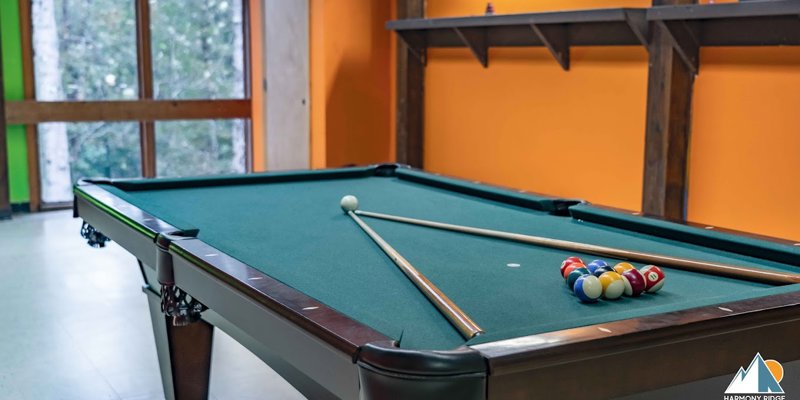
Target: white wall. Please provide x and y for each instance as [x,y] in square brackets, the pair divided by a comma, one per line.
[286,99]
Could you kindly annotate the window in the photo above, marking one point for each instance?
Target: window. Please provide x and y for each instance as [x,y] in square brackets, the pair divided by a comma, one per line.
[142,52]
[200,147]
[198,50]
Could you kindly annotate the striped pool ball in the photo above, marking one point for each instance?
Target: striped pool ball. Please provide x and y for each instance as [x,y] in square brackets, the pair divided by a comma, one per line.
[654,277]
[588,288]
[622,267]
[574,275]
[596,264]
[634,282]
[613,285]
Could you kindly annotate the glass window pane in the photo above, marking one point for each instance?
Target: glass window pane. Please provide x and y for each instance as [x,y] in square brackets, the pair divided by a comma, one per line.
[71,151]
[84,50]
[200,147]
[198,49]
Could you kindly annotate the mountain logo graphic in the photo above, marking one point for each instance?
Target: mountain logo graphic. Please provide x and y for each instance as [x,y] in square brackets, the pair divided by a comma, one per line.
[761,377]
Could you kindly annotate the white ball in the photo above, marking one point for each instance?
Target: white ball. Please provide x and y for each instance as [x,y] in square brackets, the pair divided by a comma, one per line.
[349,203]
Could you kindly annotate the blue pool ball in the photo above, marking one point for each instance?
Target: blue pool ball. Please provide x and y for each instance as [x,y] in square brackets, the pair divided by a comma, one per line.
[588,288]
[575,274]
[596,264]
[602,270]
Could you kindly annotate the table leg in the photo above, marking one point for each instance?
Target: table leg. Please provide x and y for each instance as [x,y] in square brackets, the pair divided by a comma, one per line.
[184,353]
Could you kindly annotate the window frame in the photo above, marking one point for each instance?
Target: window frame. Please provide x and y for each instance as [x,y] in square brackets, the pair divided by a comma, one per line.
[145,109]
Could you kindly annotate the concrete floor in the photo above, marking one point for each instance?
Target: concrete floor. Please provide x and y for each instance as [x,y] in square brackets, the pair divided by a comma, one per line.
[74,323]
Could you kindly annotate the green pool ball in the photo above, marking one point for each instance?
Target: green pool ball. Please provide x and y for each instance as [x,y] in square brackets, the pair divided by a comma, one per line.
[574,275]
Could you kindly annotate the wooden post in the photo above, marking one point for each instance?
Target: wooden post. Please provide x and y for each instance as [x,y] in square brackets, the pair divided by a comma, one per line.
[410,92]
[669,102]
[29,86]
[147,130]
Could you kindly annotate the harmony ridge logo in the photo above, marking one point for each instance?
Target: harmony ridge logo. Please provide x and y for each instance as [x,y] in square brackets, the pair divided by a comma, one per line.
[759,379]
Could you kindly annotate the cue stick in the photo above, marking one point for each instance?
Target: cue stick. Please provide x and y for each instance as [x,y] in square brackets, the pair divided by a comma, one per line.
[460,320]
[733,271]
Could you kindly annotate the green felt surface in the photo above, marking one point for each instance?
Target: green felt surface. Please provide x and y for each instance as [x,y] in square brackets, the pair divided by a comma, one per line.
[296,233]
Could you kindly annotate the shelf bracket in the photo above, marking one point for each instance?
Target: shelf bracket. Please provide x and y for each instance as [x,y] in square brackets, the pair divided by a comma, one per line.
[418,44]
[478,43]
[641,29]
[685,41]
[556,38]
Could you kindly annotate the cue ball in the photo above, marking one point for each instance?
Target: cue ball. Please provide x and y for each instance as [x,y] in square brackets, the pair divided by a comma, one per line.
[654,277]
[349,203]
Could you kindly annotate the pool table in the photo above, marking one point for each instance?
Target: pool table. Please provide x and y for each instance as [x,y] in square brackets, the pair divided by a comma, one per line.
[271,259]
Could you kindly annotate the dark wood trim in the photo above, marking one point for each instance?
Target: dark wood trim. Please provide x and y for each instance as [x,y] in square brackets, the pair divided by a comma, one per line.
[668,124]
[29,83]
[556,38]
[477,42]
[190,355]
[738,24]
[144,64]
[5,184]
[701,225]
[639,26]
[676,347]
[32,112]
[410,91]
[685,37]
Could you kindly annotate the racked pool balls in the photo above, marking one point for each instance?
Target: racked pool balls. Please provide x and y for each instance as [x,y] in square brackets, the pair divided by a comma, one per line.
[613,285]
[634,282]
[574,275]
[588,288]
[653,277]
[622,267]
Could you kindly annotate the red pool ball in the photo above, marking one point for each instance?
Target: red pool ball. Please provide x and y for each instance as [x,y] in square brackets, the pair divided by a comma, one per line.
[654,277]
[568,261]
[634,282]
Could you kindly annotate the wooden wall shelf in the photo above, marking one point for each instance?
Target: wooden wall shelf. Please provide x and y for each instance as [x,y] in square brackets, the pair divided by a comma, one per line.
[757,23]
[555,30]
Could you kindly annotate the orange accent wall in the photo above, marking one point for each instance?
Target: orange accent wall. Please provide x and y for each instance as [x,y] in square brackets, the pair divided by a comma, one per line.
[526,123]
[350,82]
[744,163]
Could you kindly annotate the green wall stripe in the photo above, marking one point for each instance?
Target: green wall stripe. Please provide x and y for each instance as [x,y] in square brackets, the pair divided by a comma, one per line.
[14,90]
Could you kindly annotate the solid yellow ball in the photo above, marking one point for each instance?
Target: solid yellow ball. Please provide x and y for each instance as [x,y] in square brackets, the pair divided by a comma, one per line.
[613,285]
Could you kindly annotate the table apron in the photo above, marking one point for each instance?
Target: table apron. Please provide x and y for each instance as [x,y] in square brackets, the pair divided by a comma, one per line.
[241,315]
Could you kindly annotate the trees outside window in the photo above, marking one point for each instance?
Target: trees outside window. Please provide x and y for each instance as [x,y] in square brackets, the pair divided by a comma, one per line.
[88,51]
